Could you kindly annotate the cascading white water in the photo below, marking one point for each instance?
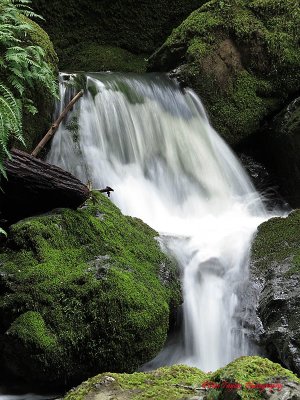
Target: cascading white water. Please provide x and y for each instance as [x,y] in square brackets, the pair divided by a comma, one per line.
[152,142]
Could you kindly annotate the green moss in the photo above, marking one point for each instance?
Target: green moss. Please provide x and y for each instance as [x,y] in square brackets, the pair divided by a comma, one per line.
[94,57]
[159,384]
[240,56]
[254,370]
[93,276]
[278,240]
[181,382]
[40,38]
[132,25]
[30,328]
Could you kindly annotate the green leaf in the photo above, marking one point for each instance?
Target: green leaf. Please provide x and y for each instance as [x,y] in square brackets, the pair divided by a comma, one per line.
[2,231]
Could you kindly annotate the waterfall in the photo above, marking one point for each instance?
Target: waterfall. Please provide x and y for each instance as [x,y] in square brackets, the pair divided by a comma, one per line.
[152,142]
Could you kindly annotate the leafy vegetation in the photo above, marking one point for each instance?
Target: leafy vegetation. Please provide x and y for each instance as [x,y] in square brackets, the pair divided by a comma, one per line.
[22,67]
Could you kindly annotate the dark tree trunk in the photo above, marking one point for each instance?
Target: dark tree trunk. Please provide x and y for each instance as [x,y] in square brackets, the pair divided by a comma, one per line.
[34,186]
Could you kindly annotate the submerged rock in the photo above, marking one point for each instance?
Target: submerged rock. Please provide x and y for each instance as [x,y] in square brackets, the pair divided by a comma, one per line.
[275,273]
[240,56]
[81,294]
[248,378]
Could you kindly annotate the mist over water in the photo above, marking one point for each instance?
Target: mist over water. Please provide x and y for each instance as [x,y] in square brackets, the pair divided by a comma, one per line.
[153,144]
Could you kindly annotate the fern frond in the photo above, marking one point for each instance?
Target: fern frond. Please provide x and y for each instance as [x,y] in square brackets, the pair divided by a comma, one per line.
[24,66]
[2,231]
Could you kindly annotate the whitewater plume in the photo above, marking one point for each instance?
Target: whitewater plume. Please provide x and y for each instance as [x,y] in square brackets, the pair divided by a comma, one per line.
[152,142]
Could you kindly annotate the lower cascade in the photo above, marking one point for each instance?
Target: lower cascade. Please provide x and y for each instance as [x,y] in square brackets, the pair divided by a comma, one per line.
[152,143]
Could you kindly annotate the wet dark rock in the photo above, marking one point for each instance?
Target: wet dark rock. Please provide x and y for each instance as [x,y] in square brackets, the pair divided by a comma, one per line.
[278,146]
[274,278]
[265,182]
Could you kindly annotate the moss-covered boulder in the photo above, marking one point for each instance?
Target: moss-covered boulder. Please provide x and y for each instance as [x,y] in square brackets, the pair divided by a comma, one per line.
[83,292]
[242,58]
[95,57]
[133,25]
[275,272]
[180,382]
[254,378]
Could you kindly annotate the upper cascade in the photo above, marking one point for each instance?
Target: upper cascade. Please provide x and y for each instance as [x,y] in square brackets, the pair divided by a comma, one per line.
[152,142]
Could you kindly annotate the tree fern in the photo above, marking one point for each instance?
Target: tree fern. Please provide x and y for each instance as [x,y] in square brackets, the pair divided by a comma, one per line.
[22,67]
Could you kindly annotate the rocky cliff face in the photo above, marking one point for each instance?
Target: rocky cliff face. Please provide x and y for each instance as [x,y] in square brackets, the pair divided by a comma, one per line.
[240,56]
[275,273]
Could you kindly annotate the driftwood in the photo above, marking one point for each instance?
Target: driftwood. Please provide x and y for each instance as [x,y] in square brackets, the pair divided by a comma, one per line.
[55,125]
[34,186]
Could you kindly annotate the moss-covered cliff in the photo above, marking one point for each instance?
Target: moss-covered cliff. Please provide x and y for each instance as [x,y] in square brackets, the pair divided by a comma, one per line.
[242,57]
[83,292]
[134,25]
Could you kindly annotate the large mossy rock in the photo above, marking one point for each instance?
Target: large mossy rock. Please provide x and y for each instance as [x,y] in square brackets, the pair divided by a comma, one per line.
[35,126]
[83,292]
[242,58]
[180,382]
[275,272]
[278,146]
[134,25]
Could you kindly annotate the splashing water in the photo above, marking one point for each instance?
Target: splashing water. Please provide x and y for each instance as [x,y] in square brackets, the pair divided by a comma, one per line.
[152,142]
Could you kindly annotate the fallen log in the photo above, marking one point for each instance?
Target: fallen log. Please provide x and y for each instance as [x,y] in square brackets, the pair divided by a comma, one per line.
[34,186]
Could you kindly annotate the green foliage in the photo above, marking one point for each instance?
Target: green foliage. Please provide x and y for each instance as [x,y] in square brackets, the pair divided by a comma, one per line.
[97,280]
[10,121]
[22,67]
